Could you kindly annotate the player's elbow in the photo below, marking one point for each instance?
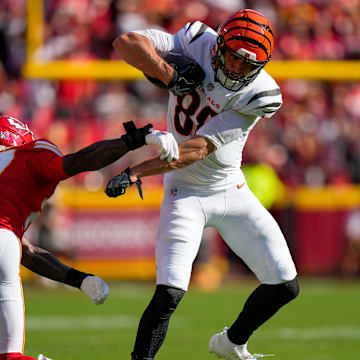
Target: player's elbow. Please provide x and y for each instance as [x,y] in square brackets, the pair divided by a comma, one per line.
[202,153]
[120,42]
[206,148]
[124,42]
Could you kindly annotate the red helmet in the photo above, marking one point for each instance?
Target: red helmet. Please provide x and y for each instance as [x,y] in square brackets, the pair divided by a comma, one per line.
[247,35]
[13,132]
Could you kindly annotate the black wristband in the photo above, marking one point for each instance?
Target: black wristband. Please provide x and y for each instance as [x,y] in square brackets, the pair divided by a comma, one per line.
[136,139]
[75,278]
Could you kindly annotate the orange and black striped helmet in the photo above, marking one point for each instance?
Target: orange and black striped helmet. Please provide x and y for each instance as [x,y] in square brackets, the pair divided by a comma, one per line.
[247,35]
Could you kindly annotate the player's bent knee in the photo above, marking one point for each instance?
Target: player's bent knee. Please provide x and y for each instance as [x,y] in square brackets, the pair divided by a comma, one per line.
[293,287]
[289,290]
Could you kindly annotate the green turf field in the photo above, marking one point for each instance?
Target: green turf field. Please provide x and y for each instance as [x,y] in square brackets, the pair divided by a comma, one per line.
[321,324]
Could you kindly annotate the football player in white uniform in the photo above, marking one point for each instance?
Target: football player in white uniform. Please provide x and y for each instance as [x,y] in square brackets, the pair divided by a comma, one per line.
[210,114]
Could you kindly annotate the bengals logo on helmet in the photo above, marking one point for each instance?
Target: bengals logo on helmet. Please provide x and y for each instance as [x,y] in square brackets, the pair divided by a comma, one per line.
[246,34]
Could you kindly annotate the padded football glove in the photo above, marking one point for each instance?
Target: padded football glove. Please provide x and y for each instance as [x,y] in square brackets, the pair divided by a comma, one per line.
[95,288]
[186,78]
[168,146]
[117,185]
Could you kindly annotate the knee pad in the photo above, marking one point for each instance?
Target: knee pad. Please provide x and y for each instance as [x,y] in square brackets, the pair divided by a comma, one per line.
[288,290]
[292,288]
[166,299]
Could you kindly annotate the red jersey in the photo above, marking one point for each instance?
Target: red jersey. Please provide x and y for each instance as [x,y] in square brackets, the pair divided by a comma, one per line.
[29,175]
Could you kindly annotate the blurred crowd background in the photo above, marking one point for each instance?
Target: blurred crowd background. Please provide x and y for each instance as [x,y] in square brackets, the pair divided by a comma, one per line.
[313,140]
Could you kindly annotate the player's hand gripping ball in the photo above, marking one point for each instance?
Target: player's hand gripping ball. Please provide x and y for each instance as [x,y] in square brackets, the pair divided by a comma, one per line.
[188,75]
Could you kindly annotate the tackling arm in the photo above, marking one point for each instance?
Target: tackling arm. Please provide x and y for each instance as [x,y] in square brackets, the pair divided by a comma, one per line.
[95,156]
[103,153]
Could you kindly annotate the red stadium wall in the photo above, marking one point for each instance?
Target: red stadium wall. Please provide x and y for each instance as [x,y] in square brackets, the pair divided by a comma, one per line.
[319,241]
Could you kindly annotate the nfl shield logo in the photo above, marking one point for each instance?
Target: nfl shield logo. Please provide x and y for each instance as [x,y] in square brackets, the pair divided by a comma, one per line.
[173,192]
[210,86]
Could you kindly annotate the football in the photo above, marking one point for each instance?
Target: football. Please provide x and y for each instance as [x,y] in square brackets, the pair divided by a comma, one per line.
[179,61]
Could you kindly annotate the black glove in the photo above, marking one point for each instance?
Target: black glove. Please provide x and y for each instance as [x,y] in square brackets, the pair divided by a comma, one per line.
[186,78]
[117,185]
[134,137]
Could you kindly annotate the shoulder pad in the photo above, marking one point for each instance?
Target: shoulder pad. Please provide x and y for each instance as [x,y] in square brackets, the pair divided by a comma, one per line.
[191,32]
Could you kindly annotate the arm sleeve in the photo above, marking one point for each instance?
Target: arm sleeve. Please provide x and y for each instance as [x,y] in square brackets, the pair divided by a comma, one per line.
[183,42]
[227,127]
[163,41]
[47,166]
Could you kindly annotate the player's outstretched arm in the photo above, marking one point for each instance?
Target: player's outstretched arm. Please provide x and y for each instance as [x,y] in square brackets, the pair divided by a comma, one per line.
[43,263]
[104,153]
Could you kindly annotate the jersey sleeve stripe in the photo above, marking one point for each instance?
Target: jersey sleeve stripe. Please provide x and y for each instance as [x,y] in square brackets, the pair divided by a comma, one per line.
[269,111]
[48,146]
[274,105]
[191,24]
[44,142]
[202,29]
[265,93]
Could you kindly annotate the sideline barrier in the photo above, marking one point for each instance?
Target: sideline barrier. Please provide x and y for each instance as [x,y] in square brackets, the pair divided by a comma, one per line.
[115,238]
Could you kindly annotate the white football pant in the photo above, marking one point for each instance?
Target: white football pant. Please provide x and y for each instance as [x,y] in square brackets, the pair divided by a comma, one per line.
[246,226]
[11,296]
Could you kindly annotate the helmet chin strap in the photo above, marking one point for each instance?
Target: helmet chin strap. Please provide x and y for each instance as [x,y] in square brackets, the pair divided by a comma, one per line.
[233,84]
[226,81]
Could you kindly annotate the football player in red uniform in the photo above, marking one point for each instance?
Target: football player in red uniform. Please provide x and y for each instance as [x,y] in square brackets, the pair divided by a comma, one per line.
[30,170]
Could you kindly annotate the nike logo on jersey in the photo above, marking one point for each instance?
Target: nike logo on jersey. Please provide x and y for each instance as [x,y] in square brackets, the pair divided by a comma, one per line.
[240,186]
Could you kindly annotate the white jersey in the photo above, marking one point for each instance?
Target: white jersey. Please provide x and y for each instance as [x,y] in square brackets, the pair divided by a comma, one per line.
[223,116]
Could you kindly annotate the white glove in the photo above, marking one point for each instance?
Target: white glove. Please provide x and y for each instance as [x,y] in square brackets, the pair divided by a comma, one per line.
[95,288]
[169,147]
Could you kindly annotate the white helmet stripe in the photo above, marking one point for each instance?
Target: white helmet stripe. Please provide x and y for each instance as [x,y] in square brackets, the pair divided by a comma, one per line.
[246,54]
